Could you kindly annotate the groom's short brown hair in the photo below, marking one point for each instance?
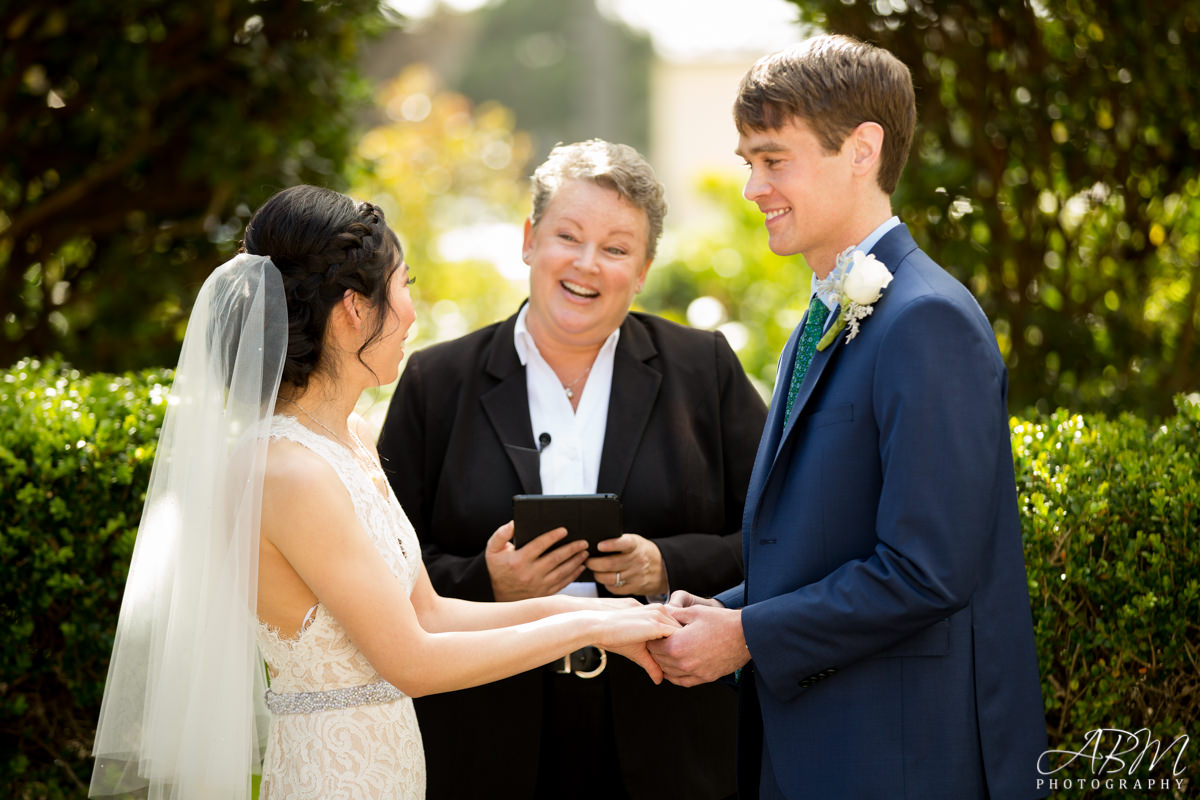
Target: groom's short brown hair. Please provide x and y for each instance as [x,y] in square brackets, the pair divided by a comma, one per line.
[834,83]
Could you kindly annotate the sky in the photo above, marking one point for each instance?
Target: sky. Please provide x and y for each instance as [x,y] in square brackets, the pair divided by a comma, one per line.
[680,29]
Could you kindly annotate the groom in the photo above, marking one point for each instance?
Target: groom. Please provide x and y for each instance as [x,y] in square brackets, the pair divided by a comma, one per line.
[882,637]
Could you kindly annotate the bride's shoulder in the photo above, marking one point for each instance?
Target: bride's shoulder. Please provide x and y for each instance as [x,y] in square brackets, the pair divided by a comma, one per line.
[292,467]
[302,498]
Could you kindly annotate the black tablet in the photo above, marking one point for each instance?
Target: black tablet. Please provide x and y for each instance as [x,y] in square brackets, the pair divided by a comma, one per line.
[592,517]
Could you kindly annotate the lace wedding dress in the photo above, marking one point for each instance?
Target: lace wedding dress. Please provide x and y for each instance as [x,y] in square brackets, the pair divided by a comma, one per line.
[337,729]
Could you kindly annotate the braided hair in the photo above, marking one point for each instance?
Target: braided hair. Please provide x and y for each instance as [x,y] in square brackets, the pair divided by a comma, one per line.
[323,243]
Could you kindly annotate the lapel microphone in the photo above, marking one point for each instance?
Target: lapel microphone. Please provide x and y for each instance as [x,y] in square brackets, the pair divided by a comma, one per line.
[543,443]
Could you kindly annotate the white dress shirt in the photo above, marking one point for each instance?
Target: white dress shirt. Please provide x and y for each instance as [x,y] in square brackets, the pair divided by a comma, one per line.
[570,463]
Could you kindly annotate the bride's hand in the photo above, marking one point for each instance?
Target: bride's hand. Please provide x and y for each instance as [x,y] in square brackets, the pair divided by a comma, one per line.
[607,603]
[625,632]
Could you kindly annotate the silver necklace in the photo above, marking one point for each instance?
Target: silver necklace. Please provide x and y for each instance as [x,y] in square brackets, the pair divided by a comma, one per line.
[569,388]
[359,452]
[328,429]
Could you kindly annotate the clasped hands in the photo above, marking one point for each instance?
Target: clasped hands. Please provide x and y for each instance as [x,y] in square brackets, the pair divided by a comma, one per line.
[696,640]
[709,645]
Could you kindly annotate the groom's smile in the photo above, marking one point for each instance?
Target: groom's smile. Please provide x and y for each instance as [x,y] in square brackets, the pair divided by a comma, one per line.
[802,188]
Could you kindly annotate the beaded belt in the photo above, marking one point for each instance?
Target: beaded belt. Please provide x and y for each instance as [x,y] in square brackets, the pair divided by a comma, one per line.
[332,699]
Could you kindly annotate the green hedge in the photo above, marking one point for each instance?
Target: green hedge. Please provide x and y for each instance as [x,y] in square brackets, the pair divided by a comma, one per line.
[1110,511]
[75,455]
[1111,514]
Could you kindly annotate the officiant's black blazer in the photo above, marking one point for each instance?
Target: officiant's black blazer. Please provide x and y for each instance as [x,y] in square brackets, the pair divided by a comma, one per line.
[683,425]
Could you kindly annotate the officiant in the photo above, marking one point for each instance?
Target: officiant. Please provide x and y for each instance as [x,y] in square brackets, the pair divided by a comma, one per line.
[576,394]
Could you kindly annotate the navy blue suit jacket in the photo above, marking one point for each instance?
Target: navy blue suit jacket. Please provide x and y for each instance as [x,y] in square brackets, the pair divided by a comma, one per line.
[885,603]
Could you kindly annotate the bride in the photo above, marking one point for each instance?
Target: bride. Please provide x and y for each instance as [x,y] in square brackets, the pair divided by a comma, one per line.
[270,532]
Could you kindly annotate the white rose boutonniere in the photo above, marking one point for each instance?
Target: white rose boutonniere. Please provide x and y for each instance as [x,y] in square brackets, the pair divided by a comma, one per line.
[861,287]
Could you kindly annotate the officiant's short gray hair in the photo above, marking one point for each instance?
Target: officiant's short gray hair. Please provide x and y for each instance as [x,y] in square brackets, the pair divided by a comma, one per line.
[613,166]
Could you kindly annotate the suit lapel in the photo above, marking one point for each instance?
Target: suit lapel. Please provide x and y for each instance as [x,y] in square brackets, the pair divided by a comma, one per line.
[634,389]
[506,406]
[778,430]
[772,432]
[821,360]
[891,249]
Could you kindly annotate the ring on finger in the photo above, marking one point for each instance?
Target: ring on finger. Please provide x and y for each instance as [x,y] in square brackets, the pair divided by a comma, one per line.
[619,582]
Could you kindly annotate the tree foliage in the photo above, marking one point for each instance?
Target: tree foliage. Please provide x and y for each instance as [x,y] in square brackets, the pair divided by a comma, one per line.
[719,273]
[567,71]
[137,136]
[450,176]
[1056,171]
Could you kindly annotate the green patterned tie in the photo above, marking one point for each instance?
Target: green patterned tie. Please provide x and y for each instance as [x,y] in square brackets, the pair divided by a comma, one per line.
[818,312]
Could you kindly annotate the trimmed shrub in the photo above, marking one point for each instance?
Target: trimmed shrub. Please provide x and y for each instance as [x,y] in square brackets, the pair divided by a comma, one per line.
[1110,511]
[75,456]
[1111,519]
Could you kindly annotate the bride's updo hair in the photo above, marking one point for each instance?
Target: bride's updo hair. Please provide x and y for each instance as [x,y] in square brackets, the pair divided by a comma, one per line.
[323,243]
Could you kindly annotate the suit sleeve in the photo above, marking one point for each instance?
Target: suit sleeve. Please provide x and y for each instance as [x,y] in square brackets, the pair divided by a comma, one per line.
[702,563]
[412,446]
[732,598]
[937,397]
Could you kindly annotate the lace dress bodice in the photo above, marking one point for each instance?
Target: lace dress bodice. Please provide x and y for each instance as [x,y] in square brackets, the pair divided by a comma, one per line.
[363,751]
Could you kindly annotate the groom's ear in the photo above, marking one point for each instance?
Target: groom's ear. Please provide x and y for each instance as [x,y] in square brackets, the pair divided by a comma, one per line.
[866,142]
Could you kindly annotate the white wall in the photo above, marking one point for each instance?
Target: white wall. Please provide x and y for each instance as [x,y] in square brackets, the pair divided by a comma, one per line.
[691,127]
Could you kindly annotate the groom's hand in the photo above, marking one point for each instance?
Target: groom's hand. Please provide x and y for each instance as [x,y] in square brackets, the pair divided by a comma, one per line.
[682,599]
[710,646]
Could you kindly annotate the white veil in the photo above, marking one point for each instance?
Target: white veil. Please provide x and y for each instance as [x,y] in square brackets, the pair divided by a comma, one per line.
[183,713]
